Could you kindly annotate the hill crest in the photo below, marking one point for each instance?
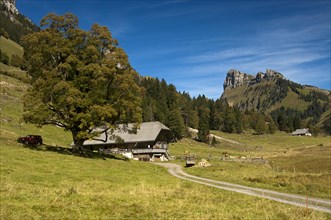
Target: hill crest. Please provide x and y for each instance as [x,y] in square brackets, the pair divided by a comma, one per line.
[271,93]
[239,85]
[235,78]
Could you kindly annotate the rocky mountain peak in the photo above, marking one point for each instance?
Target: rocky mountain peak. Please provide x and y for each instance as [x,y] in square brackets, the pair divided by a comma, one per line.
[235,78]
[11,6]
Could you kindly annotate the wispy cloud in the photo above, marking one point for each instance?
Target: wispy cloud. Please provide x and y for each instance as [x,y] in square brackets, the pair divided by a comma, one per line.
[287,45]
[193,45]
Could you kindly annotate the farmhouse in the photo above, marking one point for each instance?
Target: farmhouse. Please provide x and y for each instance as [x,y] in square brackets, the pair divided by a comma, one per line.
[149,143]
[301,132]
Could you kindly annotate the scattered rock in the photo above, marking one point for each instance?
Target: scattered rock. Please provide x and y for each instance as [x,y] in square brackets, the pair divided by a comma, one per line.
[204,163]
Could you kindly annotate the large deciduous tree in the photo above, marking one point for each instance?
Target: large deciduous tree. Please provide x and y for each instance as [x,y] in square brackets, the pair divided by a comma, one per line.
[81,79]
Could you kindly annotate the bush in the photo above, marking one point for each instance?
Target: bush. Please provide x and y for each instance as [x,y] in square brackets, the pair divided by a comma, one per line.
[4,33]
[16,61]
[4,58]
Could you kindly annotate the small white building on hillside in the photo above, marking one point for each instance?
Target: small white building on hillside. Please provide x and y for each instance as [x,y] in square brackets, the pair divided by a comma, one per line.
[301,132]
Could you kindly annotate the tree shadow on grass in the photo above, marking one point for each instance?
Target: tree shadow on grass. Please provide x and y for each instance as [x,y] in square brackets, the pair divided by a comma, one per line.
[70,151]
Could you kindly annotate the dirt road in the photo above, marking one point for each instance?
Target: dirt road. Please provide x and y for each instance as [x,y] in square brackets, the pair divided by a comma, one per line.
[322,205]
[212,135]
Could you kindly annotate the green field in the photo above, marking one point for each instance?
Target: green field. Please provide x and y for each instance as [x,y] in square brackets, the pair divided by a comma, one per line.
[10,47]
[300,165]
[49,182]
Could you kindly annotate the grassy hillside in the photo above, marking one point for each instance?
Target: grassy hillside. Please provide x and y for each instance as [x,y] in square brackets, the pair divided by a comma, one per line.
[263,97]
[49,182]
[10,47]
[291,105]
[11,106]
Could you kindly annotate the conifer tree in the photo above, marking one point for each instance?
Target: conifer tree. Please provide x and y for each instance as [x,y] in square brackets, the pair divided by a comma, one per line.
[260,127]
[272,127]
[176,123]
[203,128]
[193,119]
[239,121]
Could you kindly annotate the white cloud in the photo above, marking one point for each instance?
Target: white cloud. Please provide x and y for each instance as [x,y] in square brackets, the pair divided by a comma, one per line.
[292,45]
[296,45]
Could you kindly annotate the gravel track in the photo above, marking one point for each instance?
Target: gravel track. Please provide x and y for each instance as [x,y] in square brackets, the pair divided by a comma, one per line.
[322,205]
[217,137]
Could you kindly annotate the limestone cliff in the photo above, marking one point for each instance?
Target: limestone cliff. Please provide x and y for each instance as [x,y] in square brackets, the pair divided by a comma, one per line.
[235,78]
[11,6]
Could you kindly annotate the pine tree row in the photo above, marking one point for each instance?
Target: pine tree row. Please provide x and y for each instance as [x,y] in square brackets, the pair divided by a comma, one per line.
[178,111]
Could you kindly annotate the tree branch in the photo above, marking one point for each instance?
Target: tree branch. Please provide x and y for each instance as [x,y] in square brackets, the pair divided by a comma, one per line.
[108,87]
[57,123]
[119,98]
[51,107]
[106,138]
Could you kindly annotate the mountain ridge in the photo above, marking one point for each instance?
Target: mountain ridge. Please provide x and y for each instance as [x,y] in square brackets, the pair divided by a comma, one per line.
[272,85]
[14,25]
[271,93]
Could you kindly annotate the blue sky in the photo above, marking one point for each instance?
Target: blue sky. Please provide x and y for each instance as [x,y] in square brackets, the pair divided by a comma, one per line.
[192,44]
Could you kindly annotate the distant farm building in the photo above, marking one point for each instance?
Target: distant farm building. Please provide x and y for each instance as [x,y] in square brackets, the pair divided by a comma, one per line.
[149,143]
[301,132]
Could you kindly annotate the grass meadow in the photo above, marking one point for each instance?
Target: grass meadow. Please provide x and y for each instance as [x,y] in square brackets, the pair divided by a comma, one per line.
[300,165]
[49,182]
[39,184]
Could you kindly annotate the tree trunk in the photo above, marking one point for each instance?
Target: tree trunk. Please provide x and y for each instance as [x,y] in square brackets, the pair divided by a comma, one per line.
[78,143]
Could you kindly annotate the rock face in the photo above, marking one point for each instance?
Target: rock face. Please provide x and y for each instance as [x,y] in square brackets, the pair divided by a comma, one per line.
[235,78]
[11,6]
[272,74]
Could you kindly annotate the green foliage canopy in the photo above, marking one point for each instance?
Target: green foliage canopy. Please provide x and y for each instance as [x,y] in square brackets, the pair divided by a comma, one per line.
[81,79]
